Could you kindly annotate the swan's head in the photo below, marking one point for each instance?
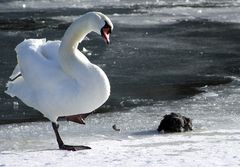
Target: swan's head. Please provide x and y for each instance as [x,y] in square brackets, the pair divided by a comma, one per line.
[106,31]
[104,26]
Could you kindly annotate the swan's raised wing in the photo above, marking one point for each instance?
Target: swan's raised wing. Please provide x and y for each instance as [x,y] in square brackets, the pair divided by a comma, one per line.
[42,82]
[50,50]
[38,63]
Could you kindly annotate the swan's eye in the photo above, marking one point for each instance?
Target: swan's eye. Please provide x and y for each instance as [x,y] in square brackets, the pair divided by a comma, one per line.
[105,32]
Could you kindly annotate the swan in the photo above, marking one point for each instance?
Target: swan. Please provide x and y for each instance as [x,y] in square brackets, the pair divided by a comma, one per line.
[55,78]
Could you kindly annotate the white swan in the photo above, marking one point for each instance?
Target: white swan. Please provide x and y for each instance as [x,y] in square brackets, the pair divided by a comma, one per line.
[55,78]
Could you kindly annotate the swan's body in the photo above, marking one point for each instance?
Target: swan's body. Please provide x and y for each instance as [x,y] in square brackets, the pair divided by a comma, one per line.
[55,77]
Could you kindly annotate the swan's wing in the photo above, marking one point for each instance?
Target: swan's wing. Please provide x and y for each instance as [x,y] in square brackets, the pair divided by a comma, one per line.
[42,79]
[38,63]
[50,50]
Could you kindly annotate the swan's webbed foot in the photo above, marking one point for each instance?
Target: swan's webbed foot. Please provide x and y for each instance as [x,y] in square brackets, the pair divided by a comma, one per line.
[61,145]
[77,118]
[73,148]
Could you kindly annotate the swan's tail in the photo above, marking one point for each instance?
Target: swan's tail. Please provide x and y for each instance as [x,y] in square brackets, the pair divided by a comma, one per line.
[11,88]
[16,72]
[16,87]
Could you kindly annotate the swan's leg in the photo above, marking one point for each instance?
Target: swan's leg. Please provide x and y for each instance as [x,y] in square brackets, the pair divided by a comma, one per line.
[61,145]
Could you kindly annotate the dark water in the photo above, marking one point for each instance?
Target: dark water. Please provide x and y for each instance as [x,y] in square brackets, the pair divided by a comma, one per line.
[160,50]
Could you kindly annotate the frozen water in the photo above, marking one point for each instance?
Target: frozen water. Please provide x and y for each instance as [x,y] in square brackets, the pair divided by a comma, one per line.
[215,140]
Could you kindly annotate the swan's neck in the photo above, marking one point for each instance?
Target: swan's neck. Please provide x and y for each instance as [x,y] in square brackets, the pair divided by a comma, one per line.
[76,33]
[69,55]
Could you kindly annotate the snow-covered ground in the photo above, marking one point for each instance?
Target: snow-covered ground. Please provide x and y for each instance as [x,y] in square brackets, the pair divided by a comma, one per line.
[202,148]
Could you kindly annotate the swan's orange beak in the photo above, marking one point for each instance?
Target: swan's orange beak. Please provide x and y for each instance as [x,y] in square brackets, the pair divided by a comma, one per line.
[105,32]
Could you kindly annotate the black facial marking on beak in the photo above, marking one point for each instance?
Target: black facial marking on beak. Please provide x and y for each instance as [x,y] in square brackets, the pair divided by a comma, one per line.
[105,32]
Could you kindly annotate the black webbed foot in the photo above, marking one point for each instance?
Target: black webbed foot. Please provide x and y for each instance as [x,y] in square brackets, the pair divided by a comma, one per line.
[73,148]
[61,145]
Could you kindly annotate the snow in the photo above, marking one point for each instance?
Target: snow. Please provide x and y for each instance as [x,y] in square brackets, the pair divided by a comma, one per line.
[146,148]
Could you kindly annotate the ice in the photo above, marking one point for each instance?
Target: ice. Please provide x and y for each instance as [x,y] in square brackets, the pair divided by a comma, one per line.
[215,140]
[211,148]
[15,105]
[84,50]
[162,12]
[211,94]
